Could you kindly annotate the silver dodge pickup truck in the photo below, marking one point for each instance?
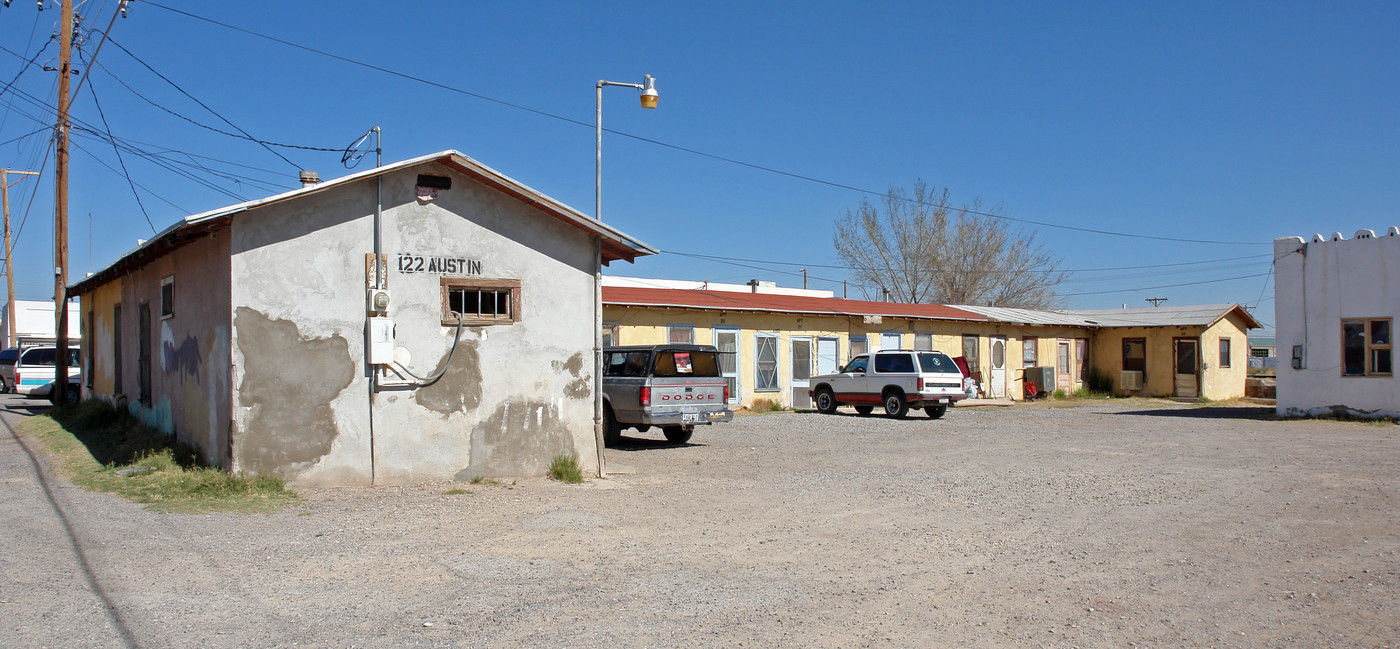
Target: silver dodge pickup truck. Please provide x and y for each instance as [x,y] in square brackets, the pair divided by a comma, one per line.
[675,387]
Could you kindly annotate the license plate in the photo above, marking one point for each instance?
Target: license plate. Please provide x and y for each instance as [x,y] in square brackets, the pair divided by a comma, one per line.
[690,417]
[943,400]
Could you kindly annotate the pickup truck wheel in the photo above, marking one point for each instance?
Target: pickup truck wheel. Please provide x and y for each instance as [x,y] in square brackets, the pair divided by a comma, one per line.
[895,405]
[934,412]
[864,410]
[612,433]
[678,434]
[826,401]
[4,386]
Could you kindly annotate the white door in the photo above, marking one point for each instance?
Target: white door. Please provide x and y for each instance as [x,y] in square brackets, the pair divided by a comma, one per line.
[828,355]
[996,384]
[727,342]
[801,372]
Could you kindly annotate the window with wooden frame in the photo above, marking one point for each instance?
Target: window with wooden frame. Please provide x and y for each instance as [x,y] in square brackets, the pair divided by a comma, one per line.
[480,301]
[680,334]
[858,345]
[1135,354]
[1366,347]
[167,297]
[923,342]
[970,347]
[1224,352]
[1028,351]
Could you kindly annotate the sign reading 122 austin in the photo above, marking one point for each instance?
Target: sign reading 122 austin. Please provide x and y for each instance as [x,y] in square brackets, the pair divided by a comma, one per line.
[410,263]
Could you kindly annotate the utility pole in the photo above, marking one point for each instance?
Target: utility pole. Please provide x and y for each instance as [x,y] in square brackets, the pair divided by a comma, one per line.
[9,267]
[60,228]
[1156,301]
[804,279]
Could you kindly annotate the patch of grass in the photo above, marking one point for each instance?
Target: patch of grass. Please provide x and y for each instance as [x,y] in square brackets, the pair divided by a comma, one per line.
[1058,394]
[483,480]
[766,405]
[101,448]
[457,492]
[565,468]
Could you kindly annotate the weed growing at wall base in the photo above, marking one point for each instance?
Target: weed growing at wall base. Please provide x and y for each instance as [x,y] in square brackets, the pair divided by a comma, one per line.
[101,448]
[565,468]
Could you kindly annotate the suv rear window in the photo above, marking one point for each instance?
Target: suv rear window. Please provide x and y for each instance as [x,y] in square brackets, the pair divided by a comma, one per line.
[893,363]
[934,363]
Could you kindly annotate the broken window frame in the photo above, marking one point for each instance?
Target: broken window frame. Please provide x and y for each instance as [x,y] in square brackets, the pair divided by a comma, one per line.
[505,295]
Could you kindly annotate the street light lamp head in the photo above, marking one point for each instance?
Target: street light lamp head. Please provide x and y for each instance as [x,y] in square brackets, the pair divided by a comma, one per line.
[649,95]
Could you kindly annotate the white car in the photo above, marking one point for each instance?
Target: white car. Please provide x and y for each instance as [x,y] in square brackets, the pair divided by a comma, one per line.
[896,379]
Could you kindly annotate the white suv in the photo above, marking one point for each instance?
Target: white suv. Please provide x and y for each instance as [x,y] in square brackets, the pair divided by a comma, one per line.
[897,380]
[35,368]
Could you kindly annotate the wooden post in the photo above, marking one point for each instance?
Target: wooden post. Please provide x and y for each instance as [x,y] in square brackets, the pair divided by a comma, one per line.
[60,229]
[9,267]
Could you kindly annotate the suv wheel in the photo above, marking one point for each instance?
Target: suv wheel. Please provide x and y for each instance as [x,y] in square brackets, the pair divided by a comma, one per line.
[895,405]
[826,401]
[934,412]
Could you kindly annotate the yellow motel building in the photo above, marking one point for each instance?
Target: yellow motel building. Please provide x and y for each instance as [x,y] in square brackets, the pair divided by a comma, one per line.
[776,339]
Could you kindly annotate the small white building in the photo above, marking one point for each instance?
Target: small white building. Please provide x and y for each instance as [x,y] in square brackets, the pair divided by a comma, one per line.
[1336,301]
[35,324]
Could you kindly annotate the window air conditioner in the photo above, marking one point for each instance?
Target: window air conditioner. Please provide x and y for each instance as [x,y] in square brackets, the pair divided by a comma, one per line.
[1130,380]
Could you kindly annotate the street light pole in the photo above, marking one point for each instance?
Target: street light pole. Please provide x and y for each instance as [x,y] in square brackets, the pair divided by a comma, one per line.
[649,97]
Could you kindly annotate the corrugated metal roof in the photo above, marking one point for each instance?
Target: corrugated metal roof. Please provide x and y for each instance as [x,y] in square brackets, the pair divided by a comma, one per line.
[1028,316]
[1202,315]
[616,245]
[728,300]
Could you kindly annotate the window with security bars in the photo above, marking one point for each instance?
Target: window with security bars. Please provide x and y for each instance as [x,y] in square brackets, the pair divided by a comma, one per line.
[480,302]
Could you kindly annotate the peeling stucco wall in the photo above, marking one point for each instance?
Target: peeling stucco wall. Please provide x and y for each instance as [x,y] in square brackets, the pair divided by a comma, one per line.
[189,350]
[513,396]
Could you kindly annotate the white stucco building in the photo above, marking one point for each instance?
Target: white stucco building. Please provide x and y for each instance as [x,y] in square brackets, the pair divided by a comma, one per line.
[256,333]
[1336,302]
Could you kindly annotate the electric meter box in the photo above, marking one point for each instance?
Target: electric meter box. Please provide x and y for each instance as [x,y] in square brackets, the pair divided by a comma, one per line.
[381,341]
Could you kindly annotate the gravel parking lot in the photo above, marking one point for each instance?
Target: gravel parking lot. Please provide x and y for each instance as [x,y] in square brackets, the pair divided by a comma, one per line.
[1112,524]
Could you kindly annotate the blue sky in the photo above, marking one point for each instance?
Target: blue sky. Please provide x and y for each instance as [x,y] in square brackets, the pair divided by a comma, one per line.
[1234,122]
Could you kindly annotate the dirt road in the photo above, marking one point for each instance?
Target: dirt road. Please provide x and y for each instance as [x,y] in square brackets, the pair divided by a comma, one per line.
[1104,525]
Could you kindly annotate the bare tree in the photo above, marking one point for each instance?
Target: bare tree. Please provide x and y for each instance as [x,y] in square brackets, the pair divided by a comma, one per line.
[919,248]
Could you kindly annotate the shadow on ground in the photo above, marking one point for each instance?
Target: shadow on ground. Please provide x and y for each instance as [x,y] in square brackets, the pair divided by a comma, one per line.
[1260,413]
[645,444]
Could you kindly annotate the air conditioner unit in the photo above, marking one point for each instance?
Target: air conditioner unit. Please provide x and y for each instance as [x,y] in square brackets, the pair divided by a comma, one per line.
[1130,380]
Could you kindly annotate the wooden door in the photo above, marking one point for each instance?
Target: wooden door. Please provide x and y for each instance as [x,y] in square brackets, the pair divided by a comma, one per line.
[1185,382]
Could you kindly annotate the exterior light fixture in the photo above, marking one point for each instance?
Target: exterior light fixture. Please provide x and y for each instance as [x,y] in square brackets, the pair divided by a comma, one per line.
[649,97]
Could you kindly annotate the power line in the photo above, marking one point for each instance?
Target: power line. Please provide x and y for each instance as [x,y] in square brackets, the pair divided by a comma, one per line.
[1152,288]
[681,148]
[92,89]
[191,120]
[202,104]
[1065,270]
